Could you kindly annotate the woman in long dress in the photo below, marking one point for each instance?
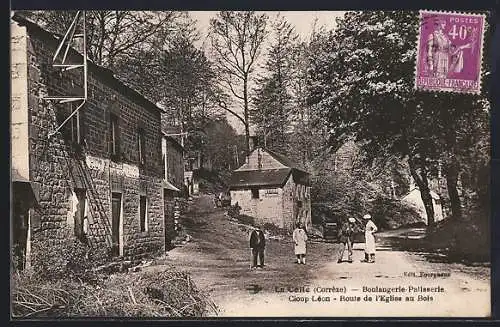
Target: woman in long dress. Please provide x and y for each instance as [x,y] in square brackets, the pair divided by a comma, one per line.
[370,228]
[443,57]
[300,237]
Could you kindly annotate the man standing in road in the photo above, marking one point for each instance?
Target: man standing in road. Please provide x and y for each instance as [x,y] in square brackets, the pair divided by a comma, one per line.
[345,239]
[257,244]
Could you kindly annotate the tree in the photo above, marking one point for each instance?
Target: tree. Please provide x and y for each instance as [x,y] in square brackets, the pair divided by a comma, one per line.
[127,42]
[307,141]
[364,82]
[236,43]
[111,34]
[273,95]
[220,145]
[187,88]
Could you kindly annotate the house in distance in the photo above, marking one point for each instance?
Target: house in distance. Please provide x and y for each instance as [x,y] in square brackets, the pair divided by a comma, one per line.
[272,189]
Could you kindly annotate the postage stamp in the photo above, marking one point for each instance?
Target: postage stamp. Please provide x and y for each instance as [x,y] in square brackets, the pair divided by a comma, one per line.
[449,54]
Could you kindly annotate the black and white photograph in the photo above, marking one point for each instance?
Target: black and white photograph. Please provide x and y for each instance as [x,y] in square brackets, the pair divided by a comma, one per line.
[200,164]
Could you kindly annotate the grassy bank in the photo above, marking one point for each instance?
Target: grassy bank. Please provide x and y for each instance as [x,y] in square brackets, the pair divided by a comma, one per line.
[70,280]
[165,294]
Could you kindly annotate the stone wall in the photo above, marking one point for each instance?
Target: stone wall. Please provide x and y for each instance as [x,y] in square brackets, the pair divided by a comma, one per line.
[277,206]
[266,209]
[59,165]
[288,207]
[292,193]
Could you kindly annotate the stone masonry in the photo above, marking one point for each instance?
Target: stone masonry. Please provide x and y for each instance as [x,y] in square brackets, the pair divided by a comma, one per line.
[59,165]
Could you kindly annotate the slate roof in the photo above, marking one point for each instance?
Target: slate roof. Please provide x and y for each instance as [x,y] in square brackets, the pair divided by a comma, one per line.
[285,160]
[255,178]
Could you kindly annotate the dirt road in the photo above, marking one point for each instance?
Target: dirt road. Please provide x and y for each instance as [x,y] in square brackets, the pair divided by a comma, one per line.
[218,258]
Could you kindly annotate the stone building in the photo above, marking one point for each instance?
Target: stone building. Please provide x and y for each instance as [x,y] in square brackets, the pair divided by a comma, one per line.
[272,189]
[173,168]
[101,176]
[414,199]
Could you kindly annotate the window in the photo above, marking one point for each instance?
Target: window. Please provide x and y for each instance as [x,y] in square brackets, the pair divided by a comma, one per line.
[255,193]
[272,191]
[114,132]
[75,127]
[141,140]
[143,215]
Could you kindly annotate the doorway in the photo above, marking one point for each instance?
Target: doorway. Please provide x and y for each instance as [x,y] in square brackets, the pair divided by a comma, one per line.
[20,233]
[116,224]
[169,204]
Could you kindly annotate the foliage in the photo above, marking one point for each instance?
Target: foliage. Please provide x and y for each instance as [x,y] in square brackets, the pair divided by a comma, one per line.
[363,82]
[273,95]
[218,143]
[67,258]
[236,43]
[188,86]
[112,35]
[274,230]
[234,211]
[388,213]
[245,219]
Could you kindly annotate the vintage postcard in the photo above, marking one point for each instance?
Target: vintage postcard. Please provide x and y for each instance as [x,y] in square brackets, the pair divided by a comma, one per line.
[170,164]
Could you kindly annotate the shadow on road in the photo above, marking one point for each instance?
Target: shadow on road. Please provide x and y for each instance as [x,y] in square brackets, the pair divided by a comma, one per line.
[414,240]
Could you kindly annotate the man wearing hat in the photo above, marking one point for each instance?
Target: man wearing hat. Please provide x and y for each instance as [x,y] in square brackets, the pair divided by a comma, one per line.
[257,245]
[345,238]
[370,228]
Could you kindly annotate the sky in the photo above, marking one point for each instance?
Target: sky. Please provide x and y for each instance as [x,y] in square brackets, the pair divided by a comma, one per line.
[303,21]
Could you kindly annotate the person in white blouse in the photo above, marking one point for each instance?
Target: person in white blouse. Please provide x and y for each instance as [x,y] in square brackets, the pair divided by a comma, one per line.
[300,237]
[370,228]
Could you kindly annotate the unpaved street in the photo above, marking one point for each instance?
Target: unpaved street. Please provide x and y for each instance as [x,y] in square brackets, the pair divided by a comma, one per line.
[218,258]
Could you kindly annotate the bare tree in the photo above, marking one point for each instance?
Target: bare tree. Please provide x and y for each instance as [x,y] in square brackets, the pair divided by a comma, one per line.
[236,39]
[112,34]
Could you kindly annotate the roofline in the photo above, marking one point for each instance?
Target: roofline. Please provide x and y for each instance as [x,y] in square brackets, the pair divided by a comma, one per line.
[281,185]
[165,135]
[248,187]
[108,73]
[272,153]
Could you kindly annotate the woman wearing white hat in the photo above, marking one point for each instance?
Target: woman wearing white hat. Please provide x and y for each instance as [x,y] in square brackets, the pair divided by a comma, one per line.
[370,228]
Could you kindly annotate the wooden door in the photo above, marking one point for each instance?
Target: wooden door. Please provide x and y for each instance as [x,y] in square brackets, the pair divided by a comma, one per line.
[116,206]
[169,218]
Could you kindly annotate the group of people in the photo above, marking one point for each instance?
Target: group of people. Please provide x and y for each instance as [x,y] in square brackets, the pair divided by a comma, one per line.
[346,238]
[299,236]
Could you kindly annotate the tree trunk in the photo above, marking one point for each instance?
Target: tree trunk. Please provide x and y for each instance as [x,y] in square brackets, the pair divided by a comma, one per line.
[245,113]
[452,170]
[422,183]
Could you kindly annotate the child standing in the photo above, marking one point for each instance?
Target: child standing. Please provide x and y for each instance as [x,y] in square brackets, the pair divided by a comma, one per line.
[300,237]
